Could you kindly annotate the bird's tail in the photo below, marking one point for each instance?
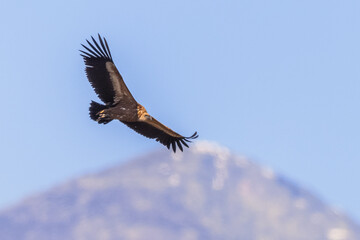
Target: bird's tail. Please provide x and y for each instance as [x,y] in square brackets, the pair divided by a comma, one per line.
[94,109]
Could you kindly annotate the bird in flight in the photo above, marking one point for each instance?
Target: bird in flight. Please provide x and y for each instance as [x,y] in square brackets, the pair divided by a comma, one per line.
[118,102]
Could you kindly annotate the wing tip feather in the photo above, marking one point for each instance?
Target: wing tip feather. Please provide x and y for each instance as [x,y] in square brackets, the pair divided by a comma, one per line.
[194,136]
[97,51]
[180,142]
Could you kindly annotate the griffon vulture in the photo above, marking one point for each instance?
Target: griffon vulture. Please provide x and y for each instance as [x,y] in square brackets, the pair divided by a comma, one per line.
[119,103]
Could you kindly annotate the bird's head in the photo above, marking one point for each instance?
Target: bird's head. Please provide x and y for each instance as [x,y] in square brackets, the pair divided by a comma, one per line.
[143,114]
[147,116]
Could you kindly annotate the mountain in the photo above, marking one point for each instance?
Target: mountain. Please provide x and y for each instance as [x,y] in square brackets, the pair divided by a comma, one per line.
[204,193]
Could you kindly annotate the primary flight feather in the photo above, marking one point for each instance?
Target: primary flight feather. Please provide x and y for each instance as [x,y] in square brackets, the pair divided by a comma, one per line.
[119,103]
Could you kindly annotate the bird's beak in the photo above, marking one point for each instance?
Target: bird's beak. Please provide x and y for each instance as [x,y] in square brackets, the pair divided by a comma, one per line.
[148,116]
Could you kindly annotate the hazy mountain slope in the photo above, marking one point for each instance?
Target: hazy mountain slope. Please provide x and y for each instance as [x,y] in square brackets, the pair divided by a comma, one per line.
[204,193]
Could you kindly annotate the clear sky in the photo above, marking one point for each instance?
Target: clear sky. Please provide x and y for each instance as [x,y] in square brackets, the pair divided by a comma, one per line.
[277,81]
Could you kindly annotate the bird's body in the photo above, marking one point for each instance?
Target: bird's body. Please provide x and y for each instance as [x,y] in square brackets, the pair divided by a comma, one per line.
[119,102]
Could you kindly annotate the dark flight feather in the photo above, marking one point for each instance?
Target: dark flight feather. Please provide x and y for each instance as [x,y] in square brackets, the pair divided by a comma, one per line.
[103,46]
[97,73]
[102,54]
[107,47]
[159,135]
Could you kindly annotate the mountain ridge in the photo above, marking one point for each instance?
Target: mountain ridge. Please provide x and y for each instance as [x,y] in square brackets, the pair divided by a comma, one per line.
[204,193]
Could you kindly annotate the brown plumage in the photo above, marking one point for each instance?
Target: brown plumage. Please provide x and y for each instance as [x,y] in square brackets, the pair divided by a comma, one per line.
[119,103]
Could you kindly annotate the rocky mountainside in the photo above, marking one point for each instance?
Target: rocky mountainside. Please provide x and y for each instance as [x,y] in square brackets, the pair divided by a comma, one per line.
[204,193]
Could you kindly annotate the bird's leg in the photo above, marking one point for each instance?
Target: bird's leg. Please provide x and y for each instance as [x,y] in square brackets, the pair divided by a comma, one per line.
[103,115]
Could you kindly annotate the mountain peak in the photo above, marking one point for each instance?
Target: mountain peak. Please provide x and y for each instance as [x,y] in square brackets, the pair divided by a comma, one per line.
[203,193]
[210,147]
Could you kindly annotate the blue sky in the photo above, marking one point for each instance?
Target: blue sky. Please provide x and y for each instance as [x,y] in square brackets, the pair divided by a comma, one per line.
[277,81]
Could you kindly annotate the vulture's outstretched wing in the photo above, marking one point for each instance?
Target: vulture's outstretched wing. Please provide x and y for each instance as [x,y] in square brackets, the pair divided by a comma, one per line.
[151,128]
[102,73]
